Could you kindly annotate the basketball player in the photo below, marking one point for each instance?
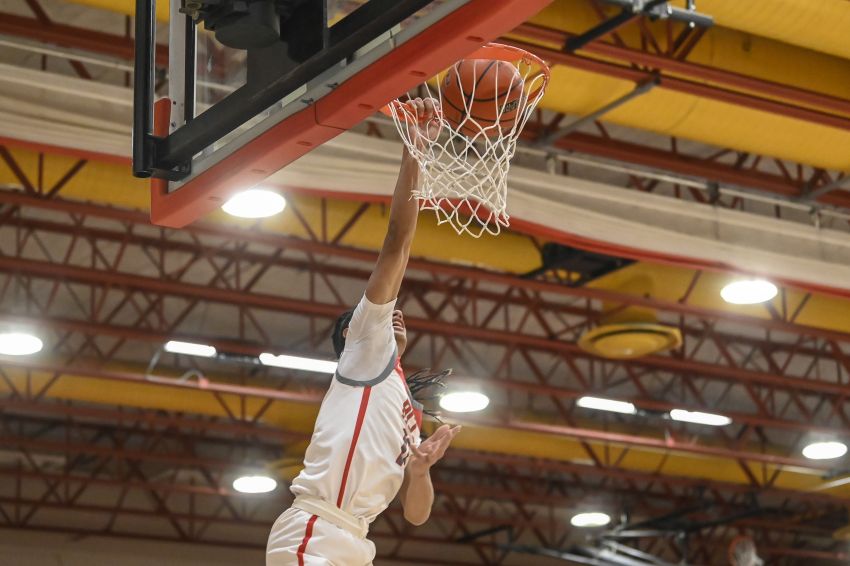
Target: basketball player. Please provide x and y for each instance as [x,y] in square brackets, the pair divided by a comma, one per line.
[365,447]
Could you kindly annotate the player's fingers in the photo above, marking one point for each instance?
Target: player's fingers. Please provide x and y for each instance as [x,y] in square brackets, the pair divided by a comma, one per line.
[427,109]
[439,433]
[431,441]
[418,451]
[442,432]
[440,445]
[410,109]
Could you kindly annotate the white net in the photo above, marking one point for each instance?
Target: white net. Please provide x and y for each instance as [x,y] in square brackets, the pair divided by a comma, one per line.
[485,103]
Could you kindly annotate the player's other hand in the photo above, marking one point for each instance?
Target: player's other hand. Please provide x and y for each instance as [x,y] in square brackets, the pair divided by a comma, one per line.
[431,450]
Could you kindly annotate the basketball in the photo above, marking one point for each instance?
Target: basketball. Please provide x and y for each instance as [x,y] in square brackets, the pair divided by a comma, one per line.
[482,96]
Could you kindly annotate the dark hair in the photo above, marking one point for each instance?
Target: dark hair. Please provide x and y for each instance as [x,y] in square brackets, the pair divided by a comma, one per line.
[424,387]
[336,337]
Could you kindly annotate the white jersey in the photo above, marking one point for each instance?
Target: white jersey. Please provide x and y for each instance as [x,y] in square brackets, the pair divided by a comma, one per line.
[366,424]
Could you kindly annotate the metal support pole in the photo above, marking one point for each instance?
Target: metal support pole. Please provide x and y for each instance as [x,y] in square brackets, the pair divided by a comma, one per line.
[143,90]
[626,15]
[189,70]
[827,188]
[640,88]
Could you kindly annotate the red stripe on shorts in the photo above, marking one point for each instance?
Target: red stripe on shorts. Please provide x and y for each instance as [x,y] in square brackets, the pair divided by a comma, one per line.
[304,542]
[364,402]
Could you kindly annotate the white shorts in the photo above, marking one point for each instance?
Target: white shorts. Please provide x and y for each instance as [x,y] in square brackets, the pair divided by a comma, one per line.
[300,539]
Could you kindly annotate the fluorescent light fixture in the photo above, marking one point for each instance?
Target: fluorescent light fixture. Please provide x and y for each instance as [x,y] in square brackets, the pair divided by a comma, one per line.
[255,203]
[611,405]
[591,519]
[298,362]
[464,401]
[825,450]
[190,349]
[698,417]
[748,291]
[254,484]
[19,344]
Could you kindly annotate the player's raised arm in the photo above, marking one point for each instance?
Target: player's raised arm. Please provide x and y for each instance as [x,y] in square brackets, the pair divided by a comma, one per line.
[386,278]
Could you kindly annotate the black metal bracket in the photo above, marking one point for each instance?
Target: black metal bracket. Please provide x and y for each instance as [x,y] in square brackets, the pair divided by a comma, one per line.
[631,9]
[587,265]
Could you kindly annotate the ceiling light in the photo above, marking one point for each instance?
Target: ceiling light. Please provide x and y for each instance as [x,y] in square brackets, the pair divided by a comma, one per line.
[254,484]
[464,401]
[748,291]
[825,450]
[698,417]
[254,203]
[611,405]
[19,344]
[297,362]
[592,519]
[190,349]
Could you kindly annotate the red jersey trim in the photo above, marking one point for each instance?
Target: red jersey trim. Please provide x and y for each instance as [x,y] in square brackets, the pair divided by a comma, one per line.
[307,535]
[364,402]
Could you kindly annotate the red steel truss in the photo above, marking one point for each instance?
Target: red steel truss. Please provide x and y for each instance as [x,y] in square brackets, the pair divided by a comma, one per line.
[129,473]
[108,287]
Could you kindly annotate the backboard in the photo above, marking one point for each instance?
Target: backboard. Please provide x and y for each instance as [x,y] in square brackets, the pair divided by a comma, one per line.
[293,75]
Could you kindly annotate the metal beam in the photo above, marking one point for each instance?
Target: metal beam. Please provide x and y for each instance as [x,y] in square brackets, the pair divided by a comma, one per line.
[74,37]
[691,69]
[208,229]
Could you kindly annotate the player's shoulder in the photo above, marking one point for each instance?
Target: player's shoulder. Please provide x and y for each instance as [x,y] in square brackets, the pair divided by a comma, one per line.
[367,368]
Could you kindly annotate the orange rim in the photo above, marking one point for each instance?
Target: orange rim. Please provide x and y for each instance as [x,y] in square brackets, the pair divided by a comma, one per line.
[498,52]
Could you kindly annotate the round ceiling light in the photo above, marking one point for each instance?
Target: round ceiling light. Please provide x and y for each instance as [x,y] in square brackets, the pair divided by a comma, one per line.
[826,450]
[464,401]
[254,484]
[748,292]
[589,520]
[19,344]
[255,203]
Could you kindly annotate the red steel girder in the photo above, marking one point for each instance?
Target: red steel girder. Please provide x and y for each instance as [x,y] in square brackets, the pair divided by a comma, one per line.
[446,492]
[528,300]
[506,420]
[685,86]
[109,44]
[206,229]
[97,277]
[561,392]
[508,466]
[451,482]
[670,161]
[691,69]
[764,416]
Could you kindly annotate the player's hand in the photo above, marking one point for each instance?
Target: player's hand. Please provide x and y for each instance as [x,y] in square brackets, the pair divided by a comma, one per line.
[431,450]
[425,115]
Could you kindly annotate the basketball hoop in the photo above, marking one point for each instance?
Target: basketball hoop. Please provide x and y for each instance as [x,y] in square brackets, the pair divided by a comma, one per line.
[742,552]
[464,171]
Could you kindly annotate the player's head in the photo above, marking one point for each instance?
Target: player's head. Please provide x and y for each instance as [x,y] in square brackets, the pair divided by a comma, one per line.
[340,331]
